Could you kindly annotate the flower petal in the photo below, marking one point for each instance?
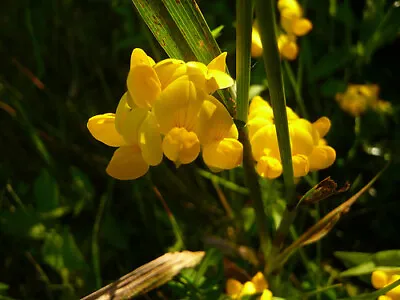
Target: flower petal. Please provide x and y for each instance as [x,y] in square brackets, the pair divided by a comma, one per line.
[322,157]
[379,279]
[301,26]
[266,295]
[168,70]
[301,166]
[143,85]
[127,163]
[269,167]
[181,146]
[255,124]
[248,289]
[178,105]
[264,142]
[102,128]
[217,80]
[259,282]
[150,141]
[223,155]
[302,142]
[233,287]
[214,122]
[139,57]
[322,125]
[128,121]
[218,63]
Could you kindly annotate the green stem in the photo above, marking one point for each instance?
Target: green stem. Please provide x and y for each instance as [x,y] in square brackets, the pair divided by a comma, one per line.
[295,86]
[244,13]
[266,19]
[251,180]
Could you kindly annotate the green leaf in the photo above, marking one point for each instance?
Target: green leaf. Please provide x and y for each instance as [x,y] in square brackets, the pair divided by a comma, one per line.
[164,29]
[46,192]
[376,294]
[61,252]
[387,258]
[22,224]
[216,32]
[353,258]
[194,28]
[362,269]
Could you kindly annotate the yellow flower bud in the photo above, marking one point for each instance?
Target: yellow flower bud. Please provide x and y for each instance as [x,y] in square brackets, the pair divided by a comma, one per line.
[248,289]
[259,282]
[266,295]
[301,26]
[394,293]
[379,279]
[233,287]
[287,46]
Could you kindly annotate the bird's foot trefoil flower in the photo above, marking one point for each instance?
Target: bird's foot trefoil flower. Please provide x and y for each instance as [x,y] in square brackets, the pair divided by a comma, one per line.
[380,279]
[258,285]
[168,110]
[309,149]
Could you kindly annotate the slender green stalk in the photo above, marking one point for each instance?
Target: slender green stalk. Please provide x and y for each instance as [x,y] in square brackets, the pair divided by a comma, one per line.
[244,15]
[295,86]
[266,19]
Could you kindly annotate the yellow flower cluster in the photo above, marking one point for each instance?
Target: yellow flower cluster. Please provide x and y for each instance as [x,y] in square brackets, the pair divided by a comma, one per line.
[257,285]
[309,150]
[168,109]
[381,279]
[359,97]
[293,24]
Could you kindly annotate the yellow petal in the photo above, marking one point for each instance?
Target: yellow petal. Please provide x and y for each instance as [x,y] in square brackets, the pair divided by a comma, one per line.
[218,63]
[214,122]
[181,146]
[102,127]
[394,293]
[197,73]
[255,124]
[217,80]
[223,155]
[321,157]
[269,167]
[168,70]
[322,125]
[139,57]
[384,297]
[233,287]
[178,105]
[248,289]
[301,138]
[258,102]
[264,142]
[301,166]
[259,282]
[128,121]
[127,163]
[301,26]
[150,141]
[266,295]
[256,45]
[143,85]
[379,279]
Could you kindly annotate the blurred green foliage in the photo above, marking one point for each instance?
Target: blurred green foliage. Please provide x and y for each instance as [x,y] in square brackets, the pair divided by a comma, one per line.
[67,229]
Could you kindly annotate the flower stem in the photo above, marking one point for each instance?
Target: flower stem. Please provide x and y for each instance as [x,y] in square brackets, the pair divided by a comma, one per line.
[244,14]
[266,19]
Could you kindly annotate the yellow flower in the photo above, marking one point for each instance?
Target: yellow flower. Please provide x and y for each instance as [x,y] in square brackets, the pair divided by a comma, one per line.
[287,46]
[257,285]
[165,109]
[359,97]
[292,20]
[380,279]
[147,79]
[309,150]
[256,45]
[135,132]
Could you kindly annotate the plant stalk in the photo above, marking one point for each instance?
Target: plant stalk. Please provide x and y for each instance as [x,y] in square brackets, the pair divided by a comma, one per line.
[272,63]
[244,14]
